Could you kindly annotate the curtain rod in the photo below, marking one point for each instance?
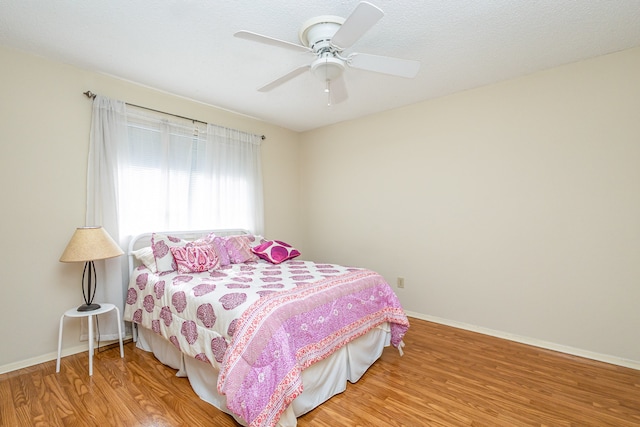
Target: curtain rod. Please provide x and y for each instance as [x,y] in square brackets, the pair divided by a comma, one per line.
[92,95]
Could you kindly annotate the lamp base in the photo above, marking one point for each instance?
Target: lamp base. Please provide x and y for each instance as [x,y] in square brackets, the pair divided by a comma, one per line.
[88,307]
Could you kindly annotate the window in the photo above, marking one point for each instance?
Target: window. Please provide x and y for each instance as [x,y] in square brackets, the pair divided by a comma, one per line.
[187,176]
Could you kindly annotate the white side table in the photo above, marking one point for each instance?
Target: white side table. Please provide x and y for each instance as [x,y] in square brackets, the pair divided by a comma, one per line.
[73,312]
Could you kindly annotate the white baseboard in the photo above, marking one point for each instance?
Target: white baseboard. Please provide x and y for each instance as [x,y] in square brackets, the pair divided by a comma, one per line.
[531,341]
[473,328]
[53,356]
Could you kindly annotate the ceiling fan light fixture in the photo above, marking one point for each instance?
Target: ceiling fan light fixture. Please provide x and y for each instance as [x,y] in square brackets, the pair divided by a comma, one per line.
[327,68]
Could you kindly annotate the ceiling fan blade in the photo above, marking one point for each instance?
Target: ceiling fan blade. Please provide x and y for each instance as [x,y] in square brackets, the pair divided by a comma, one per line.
[338,90]
[248,35]
[290,75]
[384,64]
[363,17]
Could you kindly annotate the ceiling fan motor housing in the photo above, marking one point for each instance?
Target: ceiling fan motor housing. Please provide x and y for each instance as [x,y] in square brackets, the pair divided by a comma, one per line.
[317,32]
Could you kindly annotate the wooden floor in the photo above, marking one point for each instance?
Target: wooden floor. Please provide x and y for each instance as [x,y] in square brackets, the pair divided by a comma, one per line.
[447,377]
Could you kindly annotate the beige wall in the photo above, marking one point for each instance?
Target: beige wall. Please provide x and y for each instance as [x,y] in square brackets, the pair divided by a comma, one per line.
[513,207]
[44,128]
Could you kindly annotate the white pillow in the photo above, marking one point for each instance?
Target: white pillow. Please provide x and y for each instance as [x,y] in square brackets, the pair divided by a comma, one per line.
[160,244]
[145,256]
[257,240]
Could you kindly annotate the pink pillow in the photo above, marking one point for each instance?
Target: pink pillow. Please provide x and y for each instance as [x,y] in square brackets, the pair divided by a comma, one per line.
[239,249]
[195,258]
[218,246]
[161,244]
[204,240]
[275,251]
[221,250]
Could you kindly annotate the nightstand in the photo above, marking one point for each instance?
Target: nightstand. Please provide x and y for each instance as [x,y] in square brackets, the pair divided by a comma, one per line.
[73,312]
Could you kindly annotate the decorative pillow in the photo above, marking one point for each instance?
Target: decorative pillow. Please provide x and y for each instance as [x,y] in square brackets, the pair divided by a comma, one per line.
[218,244]
[255,240]
[160,244]
[195,258]
[205,240]
[145,256]
[239,249]
[275,251]
[221,249]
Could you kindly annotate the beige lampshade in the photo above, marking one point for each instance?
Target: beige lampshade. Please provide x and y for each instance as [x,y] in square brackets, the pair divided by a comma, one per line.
[89,244]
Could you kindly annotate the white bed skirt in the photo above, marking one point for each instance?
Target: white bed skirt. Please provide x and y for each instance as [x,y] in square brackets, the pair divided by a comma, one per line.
[321,380]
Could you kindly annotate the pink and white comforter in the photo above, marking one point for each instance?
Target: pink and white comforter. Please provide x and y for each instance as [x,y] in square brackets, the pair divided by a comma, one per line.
[262,324]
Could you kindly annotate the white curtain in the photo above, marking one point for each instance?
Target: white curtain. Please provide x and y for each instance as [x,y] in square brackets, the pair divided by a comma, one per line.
[181,175]
[233,157]
[148,173]
[156,174]
[108,133]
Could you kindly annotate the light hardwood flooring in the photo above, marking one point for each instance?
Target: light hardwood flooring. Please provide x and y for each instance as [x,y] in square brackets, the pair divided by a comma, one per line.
[447,377]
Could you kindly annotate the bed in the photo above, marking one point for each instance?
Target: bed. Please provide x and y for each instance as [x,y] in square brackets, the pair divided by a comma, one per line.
[260,333]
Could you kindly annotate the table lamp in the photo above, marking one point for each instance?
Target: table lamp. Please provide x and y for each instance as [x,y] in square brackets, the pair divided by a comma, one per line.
[87,245]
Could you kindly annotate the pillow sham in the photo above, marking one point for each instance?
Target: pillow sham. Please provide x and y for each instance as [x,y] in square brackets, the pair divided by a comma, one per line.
[204,240]
[145,256]
[255,240]
[161,244]
[221,249]
[218,245]
[239,249]
[275,251]
[195,258]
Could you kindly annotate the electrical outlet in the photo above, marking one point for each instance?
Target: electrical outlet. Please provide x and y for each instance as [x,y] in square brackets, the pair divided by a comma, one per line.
[400,282]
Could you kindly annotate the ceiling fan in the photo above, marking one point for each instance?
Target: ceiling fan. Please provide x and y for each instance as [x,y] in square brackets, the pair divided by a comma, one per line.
[327,37]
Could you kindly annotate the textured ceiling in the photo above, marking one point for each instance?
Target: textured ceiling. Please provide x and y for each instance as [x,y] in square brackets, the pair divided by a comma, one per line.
[187,47]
